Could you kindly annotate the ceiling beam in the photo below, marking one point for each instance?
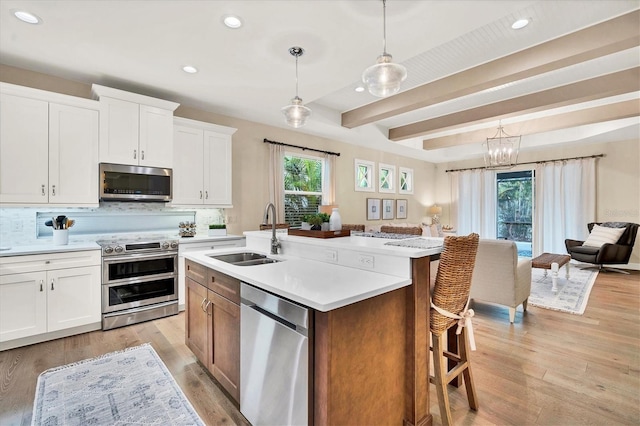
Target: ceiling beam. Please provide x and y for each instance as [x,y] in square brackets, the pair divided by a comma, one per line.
[599,114]
[602,39]
[604,86]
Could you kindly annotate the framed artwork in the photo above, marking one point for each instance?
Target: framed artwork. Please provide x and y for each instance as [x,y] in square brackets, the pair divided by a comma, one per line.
[387,209]
[401,209]
[405,180]
[365,176]
[386,178]
[373,209]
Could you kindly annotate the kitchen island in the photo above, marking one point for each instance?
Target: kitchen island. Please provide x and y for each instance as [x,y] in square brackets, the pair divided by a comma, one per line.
[369,339]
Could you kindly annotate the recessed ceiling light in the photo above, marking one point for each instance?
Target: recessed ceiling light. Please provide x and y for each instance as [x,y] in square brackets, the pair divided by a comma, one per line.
[190,69]
[520,23]
[359,89]
[232,21]
[27,17]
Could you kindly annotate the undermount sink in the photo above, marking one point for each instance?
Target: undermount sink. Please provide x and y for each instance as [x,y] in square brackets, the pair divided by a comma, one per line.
[244,259]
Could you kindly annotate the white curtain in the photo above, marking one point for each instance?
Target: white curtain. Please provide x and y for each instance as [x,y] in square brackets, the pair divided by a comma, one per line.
[474,202]
[329,180]
[565,201]
[276,180]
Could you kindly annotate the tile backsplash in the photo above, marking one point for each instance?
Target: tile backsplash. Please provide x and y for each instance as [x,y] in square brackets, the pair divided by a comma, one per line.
[18,226]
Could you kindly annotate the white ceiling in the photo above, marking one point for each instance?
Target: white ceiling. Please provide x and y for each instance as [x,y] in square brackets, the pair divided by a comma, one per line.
[141,46]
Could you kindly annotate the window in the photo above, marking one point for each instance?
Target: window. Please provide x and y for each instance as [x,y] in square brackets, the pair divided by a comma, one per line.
[302,186]
[515,208]
[387,178]
[365,176]
[405,178]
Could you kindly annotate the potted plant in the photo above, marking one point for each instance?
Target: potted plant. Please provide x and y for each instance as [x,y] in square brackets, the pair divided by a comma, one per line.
[315,221]
[217,230]
[325,221]
[305,225]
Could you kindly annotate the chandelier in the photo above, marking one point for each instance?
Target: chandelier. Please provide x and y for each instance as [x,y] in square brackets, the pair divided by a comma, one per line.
[501,151]
[296,114]
[384,77]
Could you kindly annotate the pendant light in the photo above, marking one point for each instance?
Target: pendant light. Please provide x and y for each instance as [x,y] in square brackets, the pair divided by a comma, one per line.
[296,114]
[501,151]
[384,78]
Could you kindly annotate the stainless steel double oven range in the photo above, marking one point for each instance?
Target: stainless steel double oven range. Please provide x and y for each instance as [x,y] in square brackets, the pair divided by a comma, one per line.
[139,280]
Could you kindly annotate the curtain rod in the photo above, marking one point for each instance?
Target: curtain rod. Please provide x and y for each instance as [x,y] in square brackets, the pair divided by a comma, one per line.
[530,162]
[337,154]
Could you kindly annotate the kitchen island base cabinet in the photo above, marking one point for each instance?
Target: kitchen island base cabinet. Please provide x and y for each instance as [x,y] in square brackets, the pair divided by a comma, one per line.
[213,324]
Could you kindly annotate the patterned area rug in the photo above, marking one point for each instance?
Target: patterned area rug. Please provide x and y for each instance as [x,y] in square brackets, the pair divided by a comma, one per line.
[572,295]
[127,387]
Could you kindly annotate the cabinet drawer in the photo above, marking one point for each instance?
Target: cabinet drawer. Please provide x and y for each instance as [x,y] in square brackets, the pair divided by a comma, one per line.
[196,272]
[224,285]
[48,262]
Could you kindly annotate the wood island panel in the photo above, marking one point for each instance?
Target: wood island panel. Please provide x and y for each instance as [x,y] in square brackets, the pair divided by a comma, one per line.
[372,357]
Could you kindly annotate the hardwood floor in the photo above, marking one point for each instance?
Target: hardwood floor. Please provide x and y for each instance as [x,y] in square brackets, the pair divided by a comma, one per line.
[549,368]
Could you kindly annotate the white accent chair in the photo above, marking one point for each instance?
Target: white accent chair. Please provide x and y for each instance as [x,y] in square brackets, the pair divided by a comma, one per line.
[500,277]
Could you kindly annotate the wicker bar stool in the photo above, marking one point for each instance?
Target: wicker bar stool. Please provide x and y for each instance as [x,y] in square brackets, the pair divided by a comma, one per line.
[449,309]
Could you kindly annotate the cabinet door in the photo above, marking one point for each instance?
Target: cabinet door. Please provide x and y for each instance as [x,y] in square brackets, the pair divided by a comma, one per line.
[73,155]
[119,127]
[188,165]
[217,179]
[224,359]
[23,305]
[73,298]
[24,150]
[156,137]
[196,320]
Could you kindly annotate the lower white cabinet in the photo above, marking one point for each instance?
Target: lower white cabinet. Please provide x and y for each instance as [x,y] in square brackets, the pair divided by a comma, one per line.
[48,293]
[213,244]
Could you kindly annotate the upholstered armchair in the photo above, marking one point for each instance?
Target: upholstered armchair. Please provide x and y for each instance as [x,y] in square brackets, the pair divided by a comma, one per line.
[606,245]
[500,276]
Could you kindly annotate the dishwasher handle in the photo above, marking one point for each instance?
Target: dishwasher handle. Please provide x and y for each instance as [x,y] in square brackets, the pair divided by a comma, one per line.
[284,311]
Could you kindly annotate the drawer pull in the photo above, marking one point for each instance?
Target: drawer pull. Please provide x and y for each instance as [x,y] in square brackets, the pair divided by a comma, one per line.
[41,287]
[52,284]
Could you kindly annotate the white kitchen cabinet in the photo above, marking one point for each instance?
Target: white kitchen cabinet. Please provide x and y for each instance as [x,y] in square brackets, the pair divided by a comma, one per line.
[42,137]
[43,295]
[229,241]
[135,129]
[202,169]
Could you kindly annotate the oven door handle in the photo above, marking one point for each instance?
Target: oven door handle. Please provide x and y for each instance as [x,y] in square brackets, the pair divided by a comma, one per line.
[141,256]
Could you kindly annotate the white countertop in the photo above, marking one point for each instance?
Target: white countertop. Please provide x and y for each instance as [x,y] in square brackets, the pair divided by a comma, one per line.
[365,244]
[318,285]
[48,247]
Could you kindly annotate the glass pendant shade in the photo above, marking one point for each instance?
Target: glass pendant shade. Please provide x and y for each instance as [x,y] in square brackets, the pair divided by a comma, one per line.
[384,78]
[296,114]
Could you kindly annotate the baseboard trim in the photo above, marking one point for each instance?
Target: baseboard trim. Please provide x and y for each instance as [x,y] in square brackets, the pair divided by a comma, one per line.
[39,338]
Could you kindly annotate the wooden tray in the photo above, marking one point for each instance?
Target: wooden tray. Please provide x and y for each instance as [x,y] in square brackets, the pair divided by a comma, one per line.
[320,234]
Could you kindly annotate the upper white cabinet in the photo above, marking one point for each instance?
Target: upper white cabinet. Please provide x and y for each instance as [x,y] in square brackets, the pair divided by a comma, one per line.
[202,164]
[135,129]
[48,147]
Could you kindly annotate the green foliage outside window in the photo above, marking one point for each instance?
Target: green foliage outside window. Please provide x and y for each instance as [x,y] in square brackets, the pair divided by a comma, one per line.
[302,187]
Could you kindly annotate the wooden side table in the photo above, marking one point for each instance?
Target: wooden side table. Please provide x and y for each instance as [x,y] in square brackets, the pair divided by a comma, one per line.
[553,262]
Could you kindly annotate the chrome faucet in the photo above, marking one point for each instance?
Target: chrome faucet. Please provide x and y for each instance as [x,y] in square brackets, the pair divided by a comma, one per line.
[275,244]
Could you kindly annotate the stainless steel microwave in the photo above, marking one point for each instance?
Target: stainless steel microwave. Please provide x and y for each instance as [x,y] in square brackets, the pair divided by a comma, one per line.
[121,182]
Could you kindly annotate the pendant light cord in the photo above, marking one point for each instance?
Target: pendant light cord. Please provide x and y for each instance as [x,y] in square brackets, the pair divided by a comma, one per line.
[297,75]
[384,27]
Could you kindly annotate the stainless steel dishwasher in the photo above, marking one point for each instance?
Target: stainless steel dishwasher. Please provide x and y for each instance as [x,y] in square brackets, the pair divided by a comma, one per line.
[274,359]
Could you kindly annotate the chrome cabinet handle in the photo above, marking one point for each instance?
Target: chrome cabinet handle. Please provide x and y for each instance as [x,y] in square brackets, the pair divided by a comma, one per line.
[201,195]
[43,193]
[206,307]
[135,154]
[53,190]
[206,194]
[142,154]
[52,281]
[202,304]
[41,287]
